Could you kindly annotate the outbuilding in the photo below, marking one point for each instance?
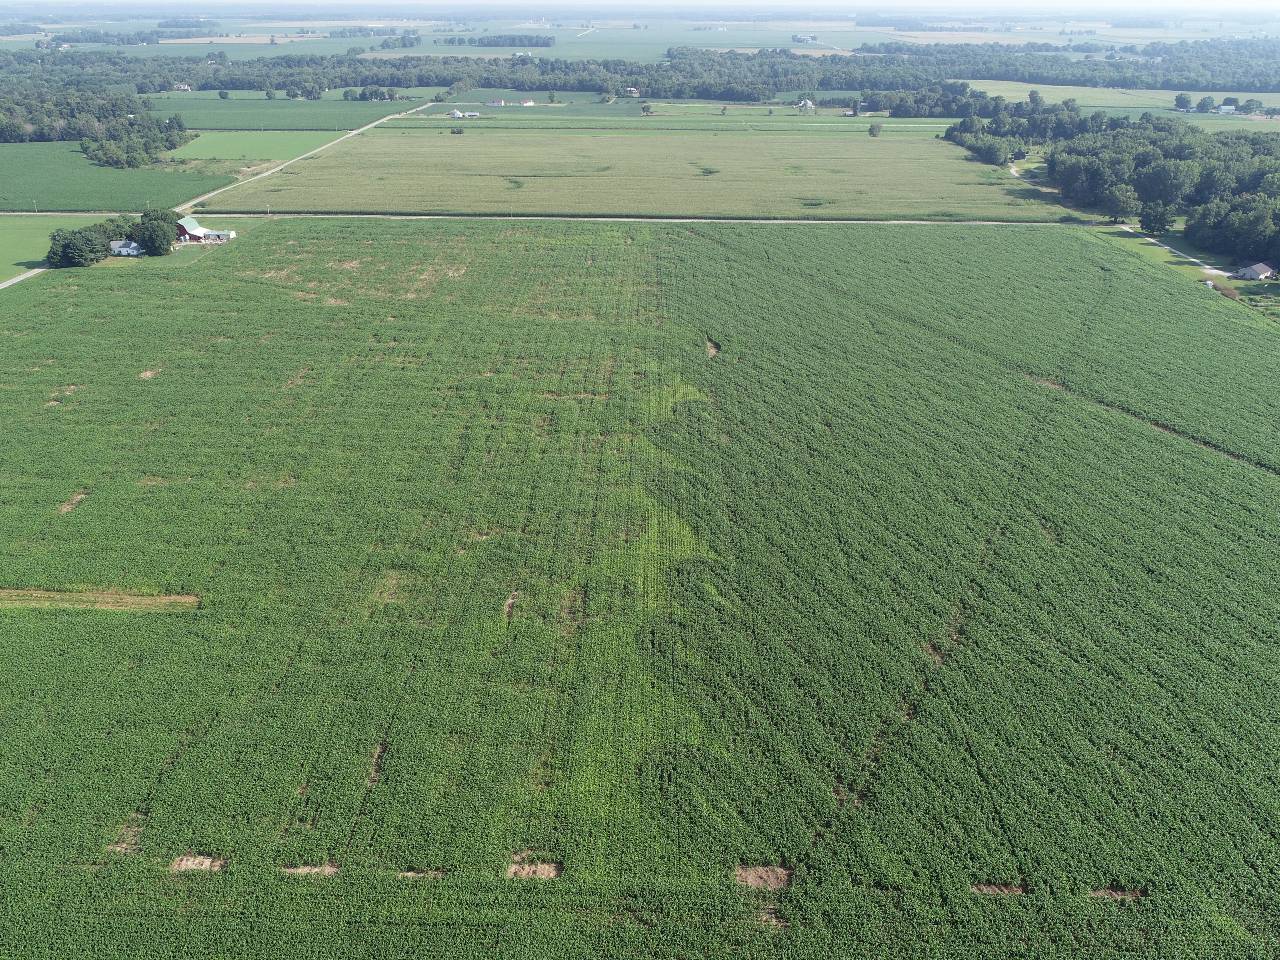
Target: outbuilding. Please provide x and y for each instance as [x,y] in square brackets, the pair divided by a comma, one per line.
[189,231]
[1255,271]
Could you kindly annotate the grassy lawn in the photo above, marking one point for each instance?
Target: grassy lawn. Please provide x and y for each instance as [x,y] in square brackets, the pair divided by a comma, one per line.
[252,145]
[796,170]
[533,586]
[57,176]
[24,240]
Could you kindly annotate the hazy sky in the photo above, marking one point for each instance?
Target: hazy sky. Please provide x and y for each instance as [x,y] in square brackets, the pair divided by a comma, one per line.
[720,8]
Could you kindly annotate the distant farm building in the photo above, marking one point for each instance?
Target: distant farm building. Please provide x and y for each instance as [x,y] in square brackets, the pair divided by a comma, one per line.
[806,106]
[455,114]
[1255,271]
[1226,108]
[496,103]
[632,92]
[803,38]
[125,248]
[528,103]
[189,231]
[471,115]
[182,87]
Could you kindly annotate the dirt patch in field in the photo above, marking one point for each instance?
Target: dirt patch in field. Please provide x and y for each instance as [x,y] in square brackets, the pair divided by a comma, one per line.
[768,917]
[297,378]
[336,302]
[61,394]
[73,501]
[327,869]
[526,866]
[148,374]
[347,265]
[573,610]
[197,861]
[150,480]
[713,348]
[1046,382]
[1000,889]
[388,591]
[432,874]
[763,877]
[95,600]
[509,607]
[1117,893]
[934,652]
[375,764]
[129,840]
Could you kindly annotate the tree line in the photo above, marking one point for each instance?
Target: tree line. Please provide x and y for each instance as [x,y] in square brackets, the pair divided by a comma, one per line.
[1246,65]
[114,129]
[1226,183]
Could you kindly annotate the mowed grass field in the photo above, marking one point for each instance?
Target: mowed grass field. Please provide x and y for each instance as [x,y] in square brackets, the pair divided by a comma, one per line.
[823,170]
[252,145]
[25,240]
[250,110]
[57,176]
[389,588]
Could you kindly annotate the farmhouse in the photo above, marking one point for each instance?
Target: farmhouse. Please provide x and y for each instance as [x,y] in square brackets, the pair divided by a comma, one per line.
[125,248]
[189,231]
[1255,271]
[632,92]
[455,114]
[182,87]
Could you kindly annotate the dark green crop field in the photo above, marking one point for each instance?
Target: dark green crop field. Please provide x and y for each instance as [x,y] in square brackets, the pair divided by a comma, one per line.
[479,589]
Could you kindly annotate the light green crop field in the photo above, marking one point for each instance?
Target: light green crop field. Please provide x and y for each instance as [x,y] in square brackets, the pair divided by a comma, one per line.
[57,176]
[822,171]
[252,144]
[24,240]
[387,588]
[247,110]
[1135,102]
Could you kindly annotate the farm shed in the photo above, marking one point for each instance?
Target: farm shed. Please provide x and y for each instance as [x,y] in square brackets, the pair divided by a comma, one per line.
[1255,271]
[190,231]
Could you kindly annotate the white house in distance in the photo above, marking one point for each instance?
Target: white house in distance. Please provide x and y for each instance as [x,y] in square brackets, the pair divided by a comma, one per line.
[527,103]
[455,114]
[189,231]
[182,87]
[125,248]
[496,103]
[1255,271]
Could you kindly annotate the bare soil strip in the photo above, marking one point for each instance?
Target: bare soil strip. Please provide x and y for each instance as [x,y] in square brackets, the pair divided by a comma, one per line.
[375,766]
[763,877]
[311,870]
[197,861]
[509,607]
[1208,445]
[95,600]
[713,348]
[73,501]
[1117,893]
[526,866]
[1000,889]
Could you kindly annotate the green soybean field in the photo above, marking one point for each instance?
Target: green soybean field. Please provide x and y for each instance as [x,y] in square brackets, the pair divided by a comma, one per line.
[385,588]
